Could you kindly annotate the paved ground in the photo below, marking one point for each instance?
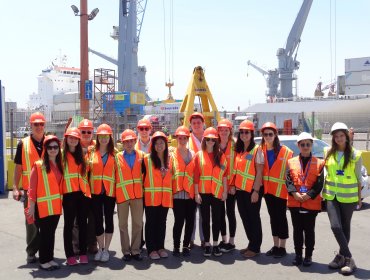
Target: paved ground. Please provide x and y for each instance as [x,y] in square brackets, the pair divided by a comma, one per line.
[229,266]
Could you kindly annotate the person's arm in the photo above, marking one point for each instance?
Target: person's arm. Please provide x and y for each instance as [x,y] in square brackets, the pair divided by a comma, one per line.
[358,167]
[291,188]
[32,192]
[197,196]
[17,172]
[224,194]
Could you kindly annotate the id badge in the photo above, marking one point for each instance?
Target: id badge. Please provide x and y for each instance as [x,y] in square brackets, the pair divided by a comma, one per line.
[303,189]
[249,157]
[340,172]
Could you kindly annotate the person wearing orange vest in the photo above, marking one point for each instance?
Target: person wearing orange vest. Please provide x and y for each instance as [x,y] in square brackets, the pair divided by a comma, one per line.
[210,186]
[76,195]
[247,180]
[29,150]
[157,177]
[102,177]
[304,181]
[45,199]
[227,143]
[275,162]
[129,195]
[87,133]
[196,121]
[183,191]
[144,128]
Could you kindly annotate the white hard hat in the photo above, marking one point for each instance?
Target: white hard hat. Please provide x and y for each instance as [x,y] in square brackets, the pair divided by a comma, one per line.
[338,126]
[304,136]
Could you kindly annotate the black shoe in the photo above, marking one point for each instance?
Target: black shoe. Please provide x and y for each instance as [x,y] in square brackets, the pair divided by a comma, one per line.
[227,247]
[176,252]
[207,251]
[191,244]
[216,251]
[272,251]
[142,244]
[186,252]
[307,261]
[126,257]
[298,260]
[31,259]
[281,252]
[137,257]
[221,244]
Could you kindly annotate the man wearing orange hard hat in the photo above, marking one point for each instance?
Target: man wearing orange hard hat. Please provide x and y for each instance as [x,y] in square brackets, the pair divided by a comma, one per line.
[29,150]
[144,128]
[87,133]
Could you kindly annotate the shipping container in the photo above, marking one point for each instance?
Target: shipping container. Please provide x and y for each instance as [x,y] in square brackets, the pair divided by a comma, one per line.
[358,78]
[357,64]
[356,90]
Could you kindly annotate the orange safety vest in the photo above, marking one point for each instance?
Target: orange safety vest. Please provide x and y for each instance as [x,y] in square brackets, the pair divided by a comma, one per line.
[138,146]
[29,157]
[102,175]
[73,180]
[230,158]
[129,183]
[183,174]
[245,169]
[274,178]
[296,174]
[49,196]
[210,180]
[157,190]
[193,143]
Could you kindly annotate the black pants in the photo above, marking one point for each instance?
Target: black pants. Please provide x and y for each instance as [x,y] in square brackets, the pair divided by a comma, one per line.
[230,212]
[277,210]
[47,227]
[250,216]
[103,205]
[303,231]
[75,206]
[340,215]
[210,202]
[155,227]
[183,210]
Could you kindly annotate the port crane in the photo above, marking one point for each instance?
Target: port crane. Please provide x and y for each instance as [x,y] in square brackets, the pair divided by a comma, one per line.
[287,58]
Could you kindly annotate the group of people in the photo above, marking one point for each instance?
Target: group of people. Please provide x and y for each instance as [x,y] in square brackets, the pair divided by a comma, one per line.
[209,170]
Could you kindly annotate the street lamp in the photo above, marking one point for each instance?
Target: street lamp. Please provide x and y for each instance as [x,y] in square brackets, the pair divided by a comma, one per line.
[84,52]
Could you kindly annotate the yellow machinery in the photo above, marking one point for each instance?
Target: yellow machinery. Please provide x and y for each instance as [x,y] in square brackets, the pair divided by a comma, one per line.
[198,87]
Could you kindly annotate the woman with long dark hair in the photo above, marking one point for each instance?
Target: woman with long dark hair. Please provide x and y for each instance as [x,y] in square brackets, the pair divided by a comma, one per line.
[342,192]
[45,199]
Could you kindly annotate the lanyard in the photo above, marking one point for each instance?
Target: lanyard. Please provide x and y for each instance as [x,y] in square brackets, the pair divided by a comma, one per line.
[304,176]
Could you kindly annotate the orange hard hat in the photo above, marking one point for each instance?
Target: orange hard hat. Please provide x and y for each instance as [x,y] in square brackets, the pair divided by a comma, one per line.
[73,131]
[85,123]
[225,123]
[50,138]
[246,124]
[104,129]
[128,134]
[158,134]
[144,123]
[196,115]
[37,118]
[182,131]
[269,125]
[210,132]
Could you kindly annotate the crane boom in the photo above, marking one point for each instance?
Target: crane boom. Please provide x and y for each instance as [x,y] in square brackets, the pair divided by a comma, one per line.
[263,72]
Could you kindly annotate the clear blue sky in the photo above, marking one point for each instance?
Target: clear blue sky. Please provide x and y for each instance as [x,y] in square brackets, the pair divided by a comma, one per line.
[220,36]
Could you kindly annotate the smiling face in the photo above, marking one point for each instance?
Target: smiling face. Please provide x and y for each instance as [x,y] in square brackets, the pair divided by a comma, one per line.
[86,136]
[224,133]
[52,149]
[269,135]
[197,125]
[305,147]
[103,139]
[72,141]
[245,135]
[182,140]
[160,145]
[38,129]
[340,138]
[144,132]
[129,145]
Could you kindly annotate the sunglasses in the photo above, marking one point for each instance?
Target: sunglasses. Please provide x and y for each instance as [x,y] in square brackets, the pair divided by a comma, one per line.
[39,124]
[305,145]
[210,140]
[52,147]
[244,132]
[104,136]
[268,134]
[86,131]
[144,128]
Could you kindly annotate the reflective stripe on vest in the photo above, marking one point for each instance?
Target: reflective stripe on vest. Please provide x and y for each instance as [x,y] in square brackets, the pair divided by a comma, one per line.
[244,169]
[73,180]
[183,174]
[230,157]
[29,157]
[49,198]
[192,144]
[274,178]
[343,187]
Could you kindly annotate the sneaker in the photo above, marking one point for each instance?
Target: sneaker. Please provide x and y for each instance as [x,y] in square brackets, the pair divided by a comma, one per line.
[176,252]
[216,251]
[249,254]
[54,264]
[71,261]
[207,251]
[31,259]
[338,262]
[162,253]
[154,255]
[46,266]
[281,252]
[307,261]
[186,252]
[242,251]
[137,257]
[349,266]
[126,257]
[98,255]
[272,251]
[227,247]
[221,244]
[105,256]
[191,244]
[84,259]
[298,260]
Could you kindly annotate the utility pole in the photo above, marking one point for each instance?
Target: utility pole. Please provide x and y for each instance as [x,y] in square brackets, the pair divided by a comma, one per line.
[84,58]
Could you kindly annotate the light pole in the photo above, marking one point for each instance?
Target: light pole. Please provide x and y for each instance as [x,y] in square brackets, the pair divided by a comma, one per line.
[84,52]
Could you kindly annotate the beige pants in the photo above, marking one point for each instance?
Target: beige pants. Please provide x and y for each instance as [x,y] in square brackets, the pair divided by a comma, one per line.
[136,208]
